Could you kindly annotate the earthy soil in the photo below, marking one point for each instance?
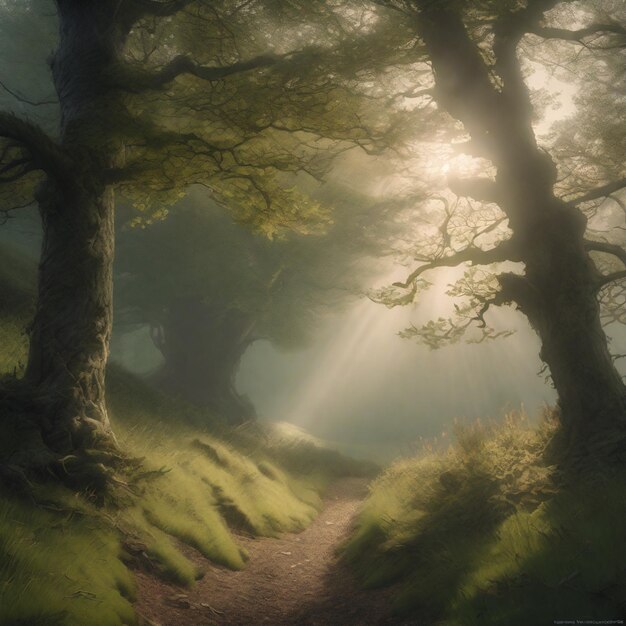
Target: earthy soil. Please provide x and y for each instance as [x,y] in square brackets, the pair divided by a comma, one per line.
[295,580]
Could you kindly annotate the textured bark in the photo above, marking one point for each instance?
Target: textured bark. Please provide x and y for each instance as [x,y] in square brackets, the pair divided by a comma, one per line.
[69,341]
[72,326]
[203,347]
[558,293]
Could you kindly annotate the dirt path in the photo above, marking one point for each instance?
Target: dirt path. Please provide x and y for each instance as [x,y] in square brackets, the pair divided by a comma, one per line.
[291,581]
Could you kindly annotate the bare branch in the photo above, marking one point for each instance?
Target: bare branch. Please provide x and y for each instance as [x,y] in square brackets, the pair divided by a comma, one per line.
[25,100]
[496,300]
[609,278]
[141,80]
[599,192]
[504,251]
[608,248]
[577,35]
[7,213]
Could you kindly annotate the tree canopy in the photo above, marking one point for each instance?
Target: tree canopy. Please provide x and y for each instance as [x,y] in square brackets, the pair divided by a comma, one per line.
[249,99]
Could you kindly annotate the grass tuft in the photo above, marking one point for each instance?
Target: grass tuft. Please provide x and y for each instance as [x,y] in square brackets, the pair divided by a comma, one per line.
[486,533]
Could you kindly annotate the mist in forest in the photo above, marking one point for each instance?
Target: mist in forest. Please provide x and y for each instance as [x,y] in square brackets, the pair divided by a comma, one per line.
[363,384]
[354,382]
[345,375]
[358,384]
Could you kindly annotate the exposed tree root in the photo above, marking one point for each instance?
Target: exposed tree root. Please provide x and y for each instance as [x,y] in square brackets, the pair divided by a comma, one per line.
[28,459]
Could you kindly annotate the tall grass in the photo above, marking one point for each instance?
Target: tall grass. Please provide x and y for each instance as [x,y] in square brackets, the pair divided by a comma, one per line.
[487,534]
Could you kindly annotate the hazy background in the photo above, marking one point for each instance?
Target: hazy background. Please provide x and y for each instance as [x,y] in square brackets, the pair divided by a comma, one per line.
[358,382]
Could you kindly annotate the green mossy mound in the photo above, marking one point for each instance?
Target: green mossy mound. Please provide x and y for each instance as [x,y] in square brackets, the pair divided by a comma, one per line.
[487,533]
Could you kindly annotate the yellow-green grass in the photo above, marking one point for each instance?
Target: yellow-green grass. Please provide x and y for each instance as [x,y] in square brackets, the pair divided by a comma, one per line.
[487,534]
[60,569]
[64,560]
[17,278]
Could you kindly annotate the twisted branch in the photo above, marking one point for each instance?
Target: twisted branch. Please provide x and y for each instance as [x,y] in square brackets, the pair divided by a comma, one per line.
[504,251]
[43,152]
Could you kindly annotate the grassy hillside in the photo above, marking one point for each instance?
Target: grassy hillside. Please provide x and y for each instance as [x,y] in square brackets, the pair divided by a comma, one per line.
[64,560]
[488,534]
[17,284]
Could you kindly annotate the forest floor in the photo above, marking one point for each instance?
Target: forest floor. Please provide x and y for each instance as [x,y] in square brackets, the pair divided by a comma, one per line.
[295,579]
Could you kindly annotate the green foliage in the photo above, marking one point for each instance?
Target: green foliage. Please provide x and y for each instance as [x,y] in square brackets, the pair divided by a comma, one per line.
[246,137]
[487,533]
[284,289]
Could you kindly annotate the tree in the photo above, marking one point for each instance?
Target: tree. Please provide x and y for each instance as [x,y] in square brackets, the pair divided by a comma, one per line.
[156,96]
[208,289]
[533,205]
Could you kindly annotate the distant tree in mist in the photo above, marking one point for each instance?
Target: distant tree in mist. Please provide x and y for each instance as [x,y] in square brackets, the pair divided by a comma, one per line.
[208,289]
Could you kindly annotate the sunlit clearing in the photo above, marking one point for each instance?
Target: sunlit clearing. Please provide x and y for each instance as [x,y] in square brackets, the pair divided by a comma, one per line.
[373,393]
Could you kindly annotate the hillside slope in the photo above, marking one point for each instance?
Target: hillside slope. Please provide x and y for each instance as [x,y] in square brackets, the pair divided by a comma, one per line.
[487,533]
[66,559]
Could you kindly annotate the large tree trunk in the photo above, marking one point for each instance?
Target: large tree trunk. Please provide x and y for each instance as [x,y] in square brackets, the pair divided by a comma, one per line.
[559,295]
[69,341]
[203,346]
[559,289]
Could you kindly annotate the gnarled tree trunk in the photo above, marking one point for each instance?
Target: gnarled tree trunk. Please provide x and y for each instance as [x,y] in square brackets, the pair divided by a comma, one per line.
[559,288]
[559,295]
[203,346]
[69,339]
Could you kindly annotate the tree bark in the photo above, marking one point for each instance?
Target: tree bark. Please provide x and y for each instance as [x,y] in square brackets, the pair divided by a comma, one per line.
[203,346]
[559,294]
[69,339]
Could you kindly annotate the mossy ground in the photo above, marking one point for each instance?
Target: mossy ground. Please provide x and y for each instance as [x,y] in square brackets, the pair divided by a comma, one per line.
[64,560]
[487,533]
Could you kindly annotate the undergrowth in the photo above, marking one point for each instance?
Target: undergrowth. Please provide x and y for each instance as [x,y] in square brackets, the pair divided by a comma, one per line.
[487,533]
[65,561]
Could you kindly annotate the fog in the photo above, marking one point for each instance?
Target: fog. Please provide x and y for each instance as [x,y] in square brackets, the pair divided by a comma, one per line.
[362,384]
[358,384]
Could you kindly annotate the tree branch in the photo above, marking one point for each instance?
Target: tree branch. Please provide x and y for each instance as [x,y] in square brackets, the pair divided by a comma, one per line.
[504,251]
[609,278]
[577,35]
[599,192]
[21,98]
[139,81]
[508,30]
[498,299]
[608,248]
[44,153]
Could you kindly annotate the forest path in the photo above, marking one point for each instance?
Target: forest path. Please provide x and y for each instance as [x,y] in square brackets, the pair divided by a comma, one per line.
[293,580]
